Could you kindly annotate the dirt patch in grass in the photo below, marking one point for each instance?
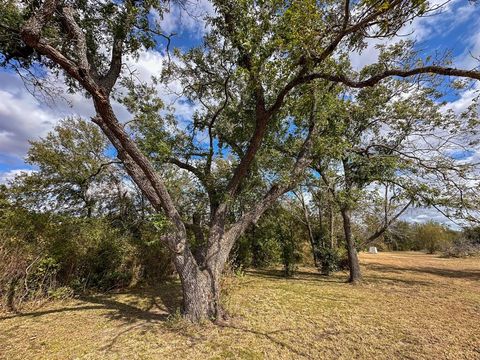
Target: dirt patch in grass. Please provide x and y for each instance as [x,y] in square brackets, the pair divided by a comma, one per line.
[410,306]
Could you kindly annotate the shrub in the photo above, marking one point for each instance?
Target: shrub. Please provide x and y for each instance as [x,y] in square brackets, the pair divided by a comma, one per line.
[331,260]
[44,255]
[434,237]
[328,260]
[464,246]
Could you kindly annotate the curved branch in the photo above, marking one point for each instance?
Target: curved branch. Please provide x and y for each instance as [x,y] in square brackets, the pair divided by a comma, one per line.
[375,79]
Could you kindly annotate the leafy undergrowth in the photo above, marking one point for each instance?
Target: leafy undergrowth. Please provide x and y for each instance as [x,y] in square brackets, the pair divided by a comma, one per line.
[410,306]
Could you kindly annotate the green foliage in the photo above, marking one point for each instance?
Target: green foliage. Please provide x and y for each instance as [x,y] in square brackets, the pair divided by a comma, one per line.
[328,259]
[290,254]
[12,17]
[277,238]
[48,251]
[73,225]
[60,293]
[103,23]
[401,236]
[72,170]
[431,237]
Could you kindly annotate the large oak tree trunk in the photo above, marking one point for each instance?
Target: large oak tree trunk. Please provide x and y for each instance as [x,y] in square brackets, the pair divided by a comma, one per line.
[200,290]
[355,275]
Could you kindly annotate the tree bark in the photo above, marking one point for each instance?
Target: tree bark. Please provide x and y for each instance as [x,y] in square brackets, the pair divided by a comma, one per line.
[10,304]
[310,230]
[355,274]
[200,288]
[331,229]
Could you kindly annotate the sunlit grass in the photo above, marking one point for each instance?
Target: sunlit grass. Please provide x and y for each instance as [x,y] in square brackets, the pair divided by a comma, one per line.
[411,306]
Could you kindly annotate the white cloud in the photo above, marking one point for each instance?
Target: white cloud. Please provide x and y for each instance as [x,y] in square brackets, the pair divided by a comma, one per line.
[23,117]
[9,175]
[149,63]
[465,99]
[188,17]
[442,22]
[421,215]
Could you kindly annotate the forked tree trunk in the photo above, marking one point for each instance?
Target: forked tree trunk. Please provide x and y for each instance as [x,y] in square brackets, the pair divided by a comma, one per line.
[355,275]
[200,290]
[201,279]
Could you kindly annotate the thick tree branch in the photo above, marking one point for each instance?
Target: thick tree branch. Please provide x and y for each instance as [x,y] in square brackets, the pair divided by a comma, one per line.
[78,37]
[110,78]
[302,162]
[136,163]
[375,79]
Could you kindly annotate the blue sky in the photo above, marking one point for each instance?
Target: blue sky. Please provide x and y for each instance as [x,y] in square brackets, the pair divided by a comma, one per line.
[23,117]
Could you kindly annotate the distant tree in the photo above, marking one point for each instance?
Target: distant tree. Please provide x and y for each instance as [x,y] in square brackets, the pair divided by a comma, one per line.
[401,144]
[433,236]
[401,237]
[73,172]
[472,234]
[467,243]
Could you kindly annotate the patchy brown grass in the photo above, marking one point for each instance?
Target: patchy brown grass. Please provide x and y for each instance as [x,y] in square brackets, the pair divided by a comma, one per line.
[410,306]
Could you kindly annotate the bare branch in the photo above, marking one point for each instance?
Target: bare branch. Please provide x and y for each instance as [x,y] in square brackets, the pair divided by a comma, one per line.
[387,224]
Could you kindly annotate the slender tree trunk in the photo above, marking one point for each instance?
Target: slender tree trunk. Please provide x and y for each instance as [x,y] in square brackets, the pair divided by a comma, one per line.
[11,293]
[320,225]
[331,231]
[311,237]
[255,248]
[355,275]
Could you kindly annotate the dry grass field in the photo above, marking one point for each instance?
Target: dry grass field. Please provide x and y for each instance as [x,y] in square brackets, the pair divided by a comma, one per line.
[411,306]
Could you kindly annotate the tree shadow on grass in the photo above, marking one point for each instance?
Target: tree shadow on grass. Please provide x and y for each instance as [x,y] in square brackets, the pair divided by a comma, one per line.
[34,314]
[392,280]
[133,310]
[451,273]
[160,303]
[269,336]
[298,275]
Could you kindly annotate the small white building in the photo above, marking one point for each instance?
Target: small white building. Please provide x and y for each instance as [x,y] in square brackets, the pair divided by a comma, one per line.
[373,250]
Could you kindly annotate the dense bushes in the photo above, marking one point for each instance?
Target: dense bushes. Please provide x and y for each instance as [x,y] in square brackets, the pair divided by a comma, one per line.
[431,237]
[75,224]
[281,238]
[41,253]
[467,244]
[278,238]
[328,260]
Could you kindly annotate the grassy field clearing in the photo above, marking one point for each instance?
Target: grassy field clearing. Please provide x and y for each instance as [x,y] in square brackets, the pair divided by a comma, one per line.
[411,306]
